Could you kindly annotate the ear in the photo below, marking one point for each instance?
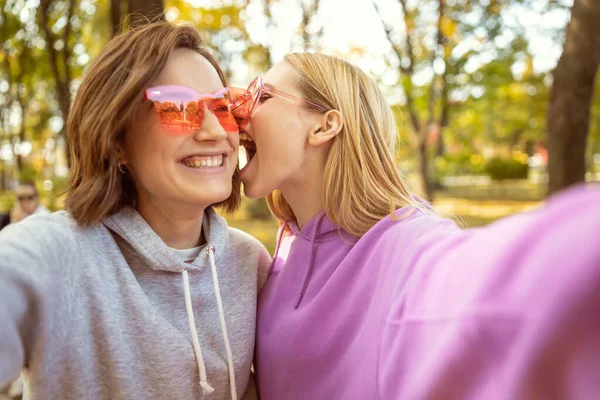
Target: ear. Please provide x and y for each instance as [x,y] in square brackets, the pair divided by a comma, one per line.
[121,156]
[330,125]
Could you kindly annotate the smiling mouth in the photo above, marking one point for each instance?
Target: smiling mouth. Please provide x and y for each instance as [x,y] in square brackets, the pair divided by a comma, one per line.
[204,161]
[249,145]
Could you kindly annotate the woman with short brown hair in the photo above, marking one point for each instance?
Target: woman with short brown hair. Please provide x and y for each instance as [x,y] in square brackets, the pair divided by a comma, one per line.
[138,290]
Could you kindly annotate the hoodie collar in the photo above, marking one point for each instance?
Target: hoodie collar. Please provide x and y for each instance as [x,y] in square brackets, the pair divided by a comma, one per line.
[318,228]
[129,225]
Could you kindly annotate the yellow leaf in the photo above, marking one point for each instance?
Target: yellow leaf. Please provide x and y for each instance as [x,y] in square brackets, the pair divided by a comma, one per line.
[448,27]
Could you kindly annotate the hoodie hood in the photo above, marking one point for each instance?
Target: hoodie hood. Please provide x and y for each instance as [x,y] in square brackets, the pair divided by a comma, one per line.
[318,228]
[129,225]
[321,229]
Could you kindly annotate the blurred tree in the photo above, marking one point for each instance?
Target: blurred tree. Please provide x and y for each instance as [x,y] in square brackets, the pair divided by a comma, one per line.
[570,100]
[23,104]
[414,56]
[15,63]
[223,29]
[59,50]
[467,75]
[53,14]
[310,32]
[137,12]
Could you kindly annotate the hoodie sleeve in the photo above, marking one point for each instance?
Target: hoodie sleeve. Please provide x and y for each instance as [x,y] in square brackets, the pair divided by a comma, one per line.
[508,311]
[264,264]
[27,251]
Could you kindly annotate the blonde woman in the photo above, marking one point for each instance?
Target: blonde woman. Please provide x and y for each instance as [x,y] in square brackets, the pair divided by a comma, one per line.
[139,290]
[373,296]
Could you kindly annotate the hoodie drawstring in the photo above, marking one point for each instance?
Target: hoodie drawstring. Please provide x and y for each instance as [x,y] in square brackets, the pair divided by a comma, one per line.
[213,267]
[206,388]
[312,237]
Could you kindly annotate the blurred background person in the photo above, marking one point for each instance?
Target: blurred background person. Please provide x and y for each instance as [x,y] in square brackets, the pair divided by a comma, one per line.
[27,203]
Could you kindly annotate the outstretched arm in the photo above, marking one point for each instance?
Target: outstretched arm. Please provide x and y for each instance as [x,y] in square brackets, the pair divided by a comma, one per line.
[26,280]
[508,311]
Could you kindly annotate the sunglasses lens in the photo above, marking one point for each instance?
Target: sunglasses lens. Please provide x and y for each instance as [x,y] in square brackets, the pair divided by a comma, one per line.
[181,109]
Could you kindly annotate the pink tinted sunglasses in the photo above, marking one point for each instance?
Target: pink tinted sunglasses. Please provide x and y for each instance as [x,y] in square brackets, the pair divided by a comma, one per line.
[245,104]
[181,109]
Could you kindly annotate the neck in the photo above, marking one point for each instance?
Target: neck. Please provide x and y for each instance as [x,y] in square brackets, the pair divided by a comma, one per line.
[179,227]
[305,199]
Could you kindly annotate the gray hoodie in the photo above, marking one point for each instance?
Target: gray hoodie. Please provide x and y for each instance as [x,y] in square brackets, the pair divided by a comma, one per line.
[105,312]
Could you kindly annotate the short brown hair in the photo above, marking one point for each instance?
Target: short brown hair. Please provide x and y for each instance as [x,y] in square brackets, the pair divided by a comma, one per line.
[106,100]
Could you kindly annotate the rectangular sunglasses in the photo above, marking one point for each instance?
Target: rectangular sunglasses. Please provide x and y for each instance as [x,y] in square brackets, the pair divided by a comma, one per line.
[181,109]
[244,103]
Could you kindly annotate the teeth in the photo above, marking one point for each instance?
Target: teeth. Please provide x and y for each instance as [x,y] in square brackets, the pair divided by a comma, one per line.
[204,162]
[245,136]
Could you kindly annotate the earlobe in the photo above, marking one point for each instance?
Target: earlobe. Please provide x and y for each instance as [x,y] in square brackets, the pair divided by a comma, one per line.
[330,125]
[121,155]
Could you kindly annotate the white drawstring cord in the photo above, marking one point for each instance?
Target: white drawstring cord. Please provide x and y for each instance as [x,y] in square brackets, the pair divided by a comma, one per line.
[206,388]
[210,251]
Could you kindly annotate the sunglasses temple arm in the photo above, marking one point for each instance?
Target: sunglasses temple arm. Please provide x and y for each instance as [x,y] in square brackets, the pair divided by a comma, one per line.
[240,101]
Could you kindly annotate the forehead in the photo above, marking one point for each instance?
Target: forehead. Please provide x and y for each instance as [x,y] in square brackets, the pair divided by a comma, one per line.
[283,77]
[187,67]
[25,190]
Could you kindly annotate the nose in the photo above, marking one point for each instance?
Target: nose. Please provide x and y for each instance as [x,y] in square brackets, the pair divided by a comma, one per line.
[210,129]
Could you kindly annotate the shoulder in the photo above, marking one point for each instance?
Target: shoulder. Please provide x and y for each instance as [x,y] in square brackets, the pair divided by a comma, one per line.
[40,244]
[56,232]
[409,227]
[41,210]
[45,227]
[243,239]
[248,247]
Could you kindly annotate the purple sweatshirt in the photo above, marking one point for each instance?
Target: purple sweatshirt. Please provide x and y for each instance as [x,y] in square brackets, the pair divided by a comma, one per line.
[420,309]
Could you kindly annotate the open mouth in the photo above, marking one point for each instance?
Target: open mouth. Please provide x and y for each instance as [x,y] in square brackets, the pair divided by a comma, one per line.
[249,145]
[205,162]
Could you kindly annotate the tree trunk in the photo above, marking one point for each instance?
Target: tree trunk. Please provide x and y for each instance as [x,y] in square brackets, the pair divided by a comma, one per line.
[62,80]
[424,167]
[143,11]
[308,13]
[115,16]
[569,109]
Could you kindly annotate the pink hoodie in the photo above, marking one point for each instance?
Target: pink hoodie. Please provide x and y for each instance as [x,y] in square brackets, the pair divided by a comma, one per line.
[420,309]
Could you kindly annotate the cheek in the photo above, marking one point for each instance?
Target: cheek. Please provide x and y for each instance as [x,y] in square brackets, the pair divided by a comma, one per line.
[234,142]
[284,141]
[148,148]
[281,153]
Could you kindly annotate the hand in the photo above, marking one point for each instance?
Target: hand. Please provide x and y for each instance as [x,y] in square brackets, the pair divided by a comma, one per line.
[16,214]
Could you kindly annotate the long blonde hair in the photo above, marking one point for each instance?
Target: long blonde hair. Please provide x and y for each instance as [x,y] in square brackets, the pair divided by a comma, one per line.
[362,183]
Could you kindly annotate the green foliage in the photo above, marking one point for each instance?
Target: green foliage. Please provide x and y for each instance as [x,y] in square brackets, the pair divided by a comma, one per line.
[257,209]
[7,201]
[28,173]
[506,168]
[463,163]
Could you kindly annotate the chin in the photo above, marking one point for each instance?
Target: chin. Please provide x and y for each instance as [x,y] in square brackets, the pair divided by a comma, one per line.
[216,195]
[254,192]
[250,195]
